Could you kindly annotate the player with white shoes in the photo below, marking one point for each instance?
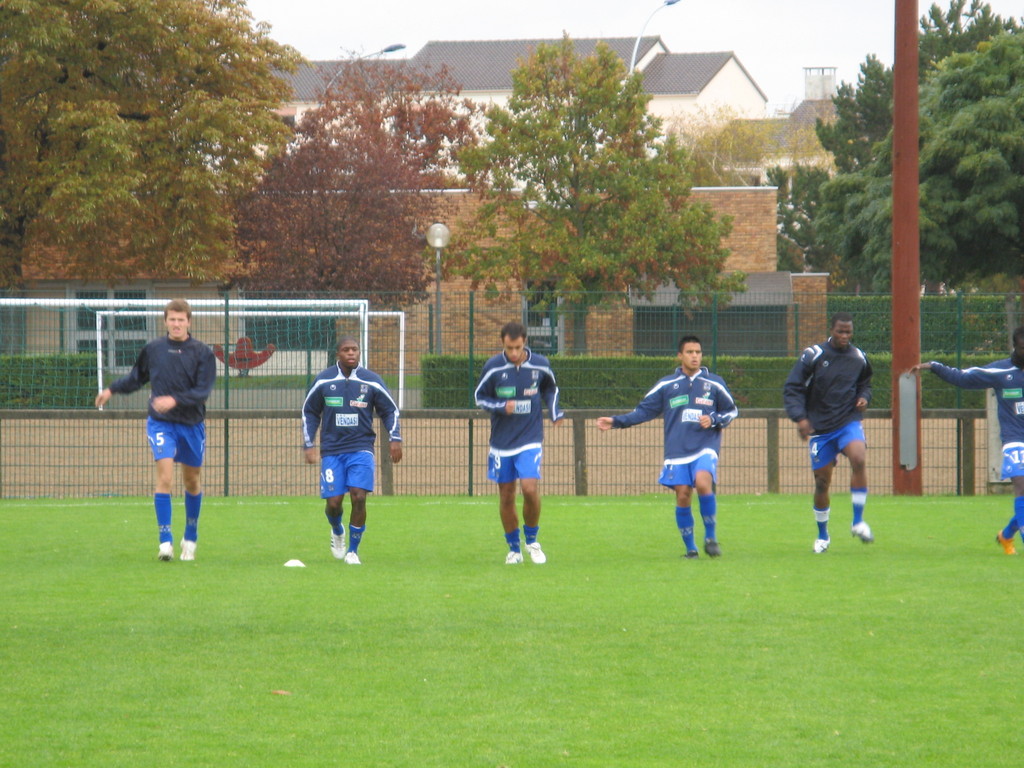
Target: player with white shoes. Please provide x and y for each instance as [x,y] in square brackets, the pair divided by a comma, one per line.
[514,386]
[341,404]
[180,371]
[826,394]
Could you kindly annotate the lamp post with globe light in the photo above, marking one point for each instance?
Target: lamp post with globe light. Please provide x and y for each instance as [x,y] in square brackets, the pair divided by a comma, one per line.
[636,45]
[438,236]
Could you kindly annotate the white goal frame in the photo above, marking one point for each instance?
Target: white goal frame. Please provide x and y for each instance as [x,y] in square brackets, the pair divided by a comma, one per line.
[239,307]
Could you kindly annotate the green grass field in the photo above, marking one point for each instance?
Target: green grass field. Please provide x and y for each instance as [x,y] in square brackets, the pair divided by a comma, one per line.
[618,652]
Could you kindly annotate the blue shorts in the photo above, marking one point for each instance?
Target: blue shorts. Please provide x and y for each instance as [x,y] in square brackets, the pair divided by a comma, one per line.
[825,448]
[344,471]
[686,474]
[1013,460]
[522,465]
[185,443]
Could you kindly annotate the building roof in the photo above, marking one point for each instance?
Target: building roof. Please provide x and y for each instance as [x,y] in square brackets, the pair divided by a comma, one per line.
[487,65]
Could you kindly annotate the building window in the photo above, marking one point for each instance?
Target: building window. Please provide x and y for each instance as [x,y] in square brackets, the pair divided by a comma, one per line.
[123,336]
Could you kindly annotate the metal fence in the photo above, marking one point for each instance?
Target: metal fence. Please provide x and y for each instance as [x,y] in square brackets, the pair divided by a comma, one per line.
[54,454]
[58,350]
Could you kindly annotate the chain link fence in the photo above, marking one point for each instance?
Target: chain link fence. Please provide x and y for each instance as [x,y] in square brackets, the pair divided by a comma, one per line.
[606,350]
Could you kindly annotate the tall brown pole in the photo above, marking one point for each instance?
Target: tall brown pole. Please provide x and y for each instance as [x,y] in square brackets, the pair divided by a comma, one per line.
[906,252]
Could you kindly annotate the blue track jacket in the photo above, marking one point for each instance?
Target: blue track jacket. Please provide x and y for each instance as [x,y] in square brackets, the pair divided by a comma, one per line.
[530,385]
[185,370]
[342,409]
[1008,382]
[682,400]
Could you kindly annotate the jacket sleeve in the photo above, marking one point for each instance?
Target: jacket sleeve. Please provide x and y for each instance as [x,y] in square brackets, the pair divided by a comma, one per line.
[485,395]
[969,378]
[725,406]
[794,391]
[312,409]
[387,409]
[206,374]
[649,408]
[864,382]
[549,391]
[137,376]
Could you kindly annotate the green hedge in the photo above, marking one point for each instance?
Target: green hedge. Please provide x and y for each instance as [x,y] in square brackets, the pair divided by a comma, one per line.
[47,381]
[983,320]
[617,383]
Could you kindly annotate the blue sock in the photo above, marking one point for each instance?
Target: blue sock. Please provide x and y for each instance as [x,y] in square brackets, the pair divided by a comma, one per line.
[1017,521]
[193,504]
[708,508]
[162,503]
[530,533]
[860,498]
[513,540]
[335,521]
[355,535]
[684,522]
[821,516]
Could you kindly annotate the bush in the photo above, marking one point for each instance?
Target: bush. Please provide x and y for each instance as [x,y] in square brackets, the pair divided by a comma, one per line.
[47,381]
[617,383]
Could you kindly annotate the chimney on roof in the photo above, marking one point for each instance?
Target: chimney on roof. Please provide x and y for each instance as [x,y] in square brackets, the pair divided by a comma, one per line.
[819,83]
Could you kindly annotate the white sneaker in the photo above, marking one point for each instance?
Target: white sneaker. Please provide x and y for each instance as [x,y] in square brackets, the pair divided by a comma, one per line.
[338,544]
[352,558]
[862,531]
[536,553]
[188,550]
[820,545]
[514,558]
[166,552]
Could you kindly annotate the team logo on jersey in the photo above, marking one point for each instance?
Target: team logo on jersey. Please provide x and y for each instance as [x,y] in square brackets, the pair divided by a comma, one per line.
[364,388]
[1013,394]
[1019,408]
[536,374]
[675,402]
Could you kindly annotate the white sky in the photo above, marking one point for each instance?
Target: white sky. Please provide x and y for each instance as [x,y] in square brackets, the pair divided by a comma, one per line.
[773,39]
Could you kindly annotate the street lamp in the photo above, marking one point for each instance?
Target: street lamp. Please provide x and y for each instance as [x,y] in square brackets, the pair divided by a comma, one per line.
[636,45]
[388,49]
[438,236]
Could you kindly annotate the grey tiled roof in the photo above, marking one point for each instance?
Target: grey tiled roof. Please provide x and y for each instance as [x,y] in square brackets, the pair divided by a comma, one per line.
[310,78]
[686,73]
[487,65]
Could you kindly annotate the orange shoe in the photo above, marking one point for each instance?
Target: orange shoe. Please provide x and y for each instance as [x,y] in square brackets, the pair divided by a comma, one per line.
[1007,544]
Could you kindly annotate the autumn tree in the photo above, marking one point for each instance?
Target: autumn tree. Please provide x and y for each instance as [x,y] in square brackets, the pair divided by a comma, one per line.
[726,150]
[129,130]
[342,208]
[580,191]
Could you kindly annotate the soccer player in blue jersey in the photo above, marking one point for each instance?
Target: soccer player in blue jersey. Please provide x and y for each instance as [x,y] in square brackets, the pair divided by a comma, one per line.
[180,371]
[341,404]
[826,394]
[514,386]
[1006,377]
[696,406]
